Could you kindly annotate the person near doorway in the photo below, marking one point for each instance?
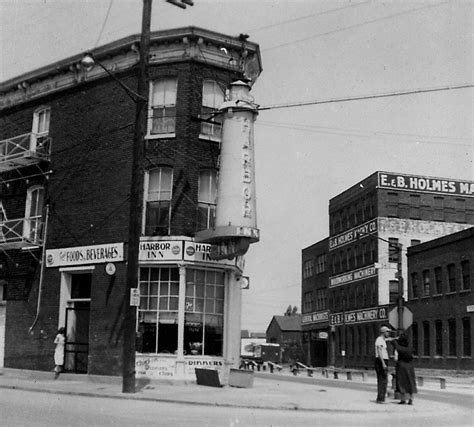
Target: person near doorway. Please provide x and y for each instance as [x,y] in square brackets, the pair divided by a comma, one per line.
[60,342]
[381,363]
[404,370]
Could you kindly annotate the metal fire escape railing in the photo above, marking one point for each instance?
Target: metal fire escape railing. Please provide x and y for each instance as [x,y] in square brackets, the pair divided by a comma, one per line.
[21,233]
[24,150]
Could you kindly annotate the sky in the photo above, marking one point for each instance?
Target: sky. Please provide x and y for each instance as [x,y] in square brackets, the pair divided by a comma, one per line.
[312,50]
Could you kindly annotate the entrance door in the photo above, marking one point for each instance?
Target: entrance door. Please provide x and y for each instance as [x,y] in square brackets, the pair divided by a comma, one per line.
[76,351]
[319,352]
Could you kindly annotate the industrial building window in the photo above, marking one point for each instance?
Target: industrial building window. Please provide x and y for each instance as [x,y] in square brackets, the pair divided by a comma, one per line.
[460,210]
[438,272]
[415,285]
[466,275]
[426,283]
[321,263]
[426,338]
[308,302]
[40,128]
[452,337]
[159,184]
[321,299]
[451,278]
[162,114]
[350,259]
[393,291]
[414,206]
[204,312]
[32,227]
[392,205]
[466,336]
[207,196]
[393,250]
[308,268]
[415,338]
[438,214]
[212,98]
[373,254]
[438,338]
[158,310]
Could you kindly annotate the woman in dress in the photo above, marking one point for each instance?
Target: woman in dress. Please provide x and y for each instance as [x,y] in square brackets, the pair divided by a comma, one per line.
[60,342]
[405,372]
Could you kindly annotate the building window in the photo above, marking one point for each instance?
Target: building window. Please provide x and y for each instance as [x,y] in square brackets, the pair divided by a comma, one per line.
[466,275]
[40,128]
[426,338]
[438,271]
[415,285]
[33,225]
[426,283]
[158,310]
[350,259]
[158,192]
[438,214]
[308,268]
[204,309]
[321,299]
[207,196]
[452,337]
[308,302]
[321,263]
[466,336]
[393,291]
[451,278]
[460,210]
[438,338]
[392,205]
[162,118]
[393,250]
[212,98]
[415,338]
[414,206]
[373,254]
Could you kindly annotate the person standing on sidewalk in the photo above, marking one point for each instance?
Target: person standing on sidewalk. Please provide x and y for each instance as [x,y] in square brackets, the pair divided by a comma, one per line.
[381,363]
[405,372]
[60,342]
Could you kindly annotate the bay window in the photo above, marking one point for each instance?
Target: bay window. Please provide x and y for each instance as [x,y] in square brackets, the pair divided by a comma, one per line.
[162,110]
[207,196]
[212,98]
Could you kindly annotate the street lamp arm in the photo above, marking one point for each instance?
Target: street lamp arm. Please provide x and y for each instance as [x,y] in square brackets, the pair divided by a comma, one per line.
[88,62]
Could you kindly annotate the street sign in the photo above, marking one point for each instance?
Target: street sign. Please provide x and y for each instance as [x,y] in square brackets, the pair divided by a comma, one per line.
[134,297]
[407,317]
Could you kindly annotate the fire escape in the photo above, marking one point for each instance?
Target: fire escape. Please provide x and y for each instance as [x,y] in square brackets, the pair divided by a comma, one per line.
[23,157]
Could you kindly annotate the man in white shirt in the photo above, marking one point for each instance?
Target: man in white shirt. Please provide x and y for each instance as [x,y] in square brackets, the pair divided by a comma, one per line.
[381,363]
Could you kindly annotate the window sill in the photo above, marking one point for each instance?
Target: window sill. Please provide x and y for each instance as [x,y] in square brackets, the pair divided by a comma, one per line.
[450,293]
[464,291]
[209,138]
[161,136]
[437,295]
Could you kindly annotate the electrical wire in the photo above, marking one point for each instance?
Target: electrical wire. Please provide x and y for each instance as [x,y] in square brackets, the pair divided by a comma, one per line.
[326,12]
[350,27]
[103,24]
[364,97]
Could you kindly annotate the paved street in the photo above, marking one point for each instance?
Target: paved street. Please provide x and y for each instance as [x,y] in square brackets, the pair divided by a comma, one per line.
[34,398]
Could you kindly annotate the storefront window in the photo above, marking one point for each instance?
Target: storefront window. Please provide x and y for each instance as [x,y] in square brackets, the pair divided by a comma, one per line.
[158,311]
[204,309]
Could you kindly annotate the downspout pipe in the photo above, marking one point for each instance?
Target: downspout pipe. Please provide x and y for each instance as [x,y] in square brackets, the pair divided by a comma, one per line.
[43,259]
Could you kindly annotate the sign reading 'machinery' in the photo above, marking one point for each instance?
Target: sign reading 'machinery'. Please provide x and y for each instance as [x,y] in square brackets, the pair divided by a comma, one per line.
[352,276]
[359,316]
[425,184]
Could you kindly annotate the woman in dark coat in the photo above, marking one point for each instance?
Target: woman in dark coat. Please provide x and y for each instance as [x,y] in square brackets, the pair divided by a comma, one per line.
[405,373]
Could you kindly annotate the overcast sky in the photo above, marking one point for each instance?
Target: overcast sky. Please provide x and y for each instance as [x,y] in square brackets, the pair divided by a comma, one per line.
[311,50]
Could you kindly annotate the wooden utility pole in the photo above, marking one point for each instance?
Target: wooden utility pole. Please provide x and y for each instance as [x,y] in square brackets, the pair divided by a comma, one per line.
[136,206]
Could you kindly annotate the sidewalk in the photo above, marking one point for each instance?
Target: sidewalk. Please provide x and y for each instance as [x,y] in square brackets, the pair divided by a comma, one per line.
[269,391]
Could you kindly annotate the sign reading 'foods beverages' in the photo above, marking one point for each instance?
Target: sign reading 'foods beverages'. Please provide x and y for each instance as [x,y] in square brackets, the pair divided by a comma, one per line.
[425,184]
[95,254]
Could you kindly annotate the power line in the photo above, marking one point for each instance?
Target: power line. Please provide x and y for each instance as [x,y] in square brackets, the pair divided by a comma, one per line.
[373,96]
[103,24]
[326,12]
[350,27]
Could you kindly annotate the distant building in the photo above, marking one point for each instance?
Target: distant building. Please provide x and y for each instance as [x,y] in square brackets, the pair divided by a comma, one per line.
[371,226]
[315,314]
[286,331]
[440,295]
